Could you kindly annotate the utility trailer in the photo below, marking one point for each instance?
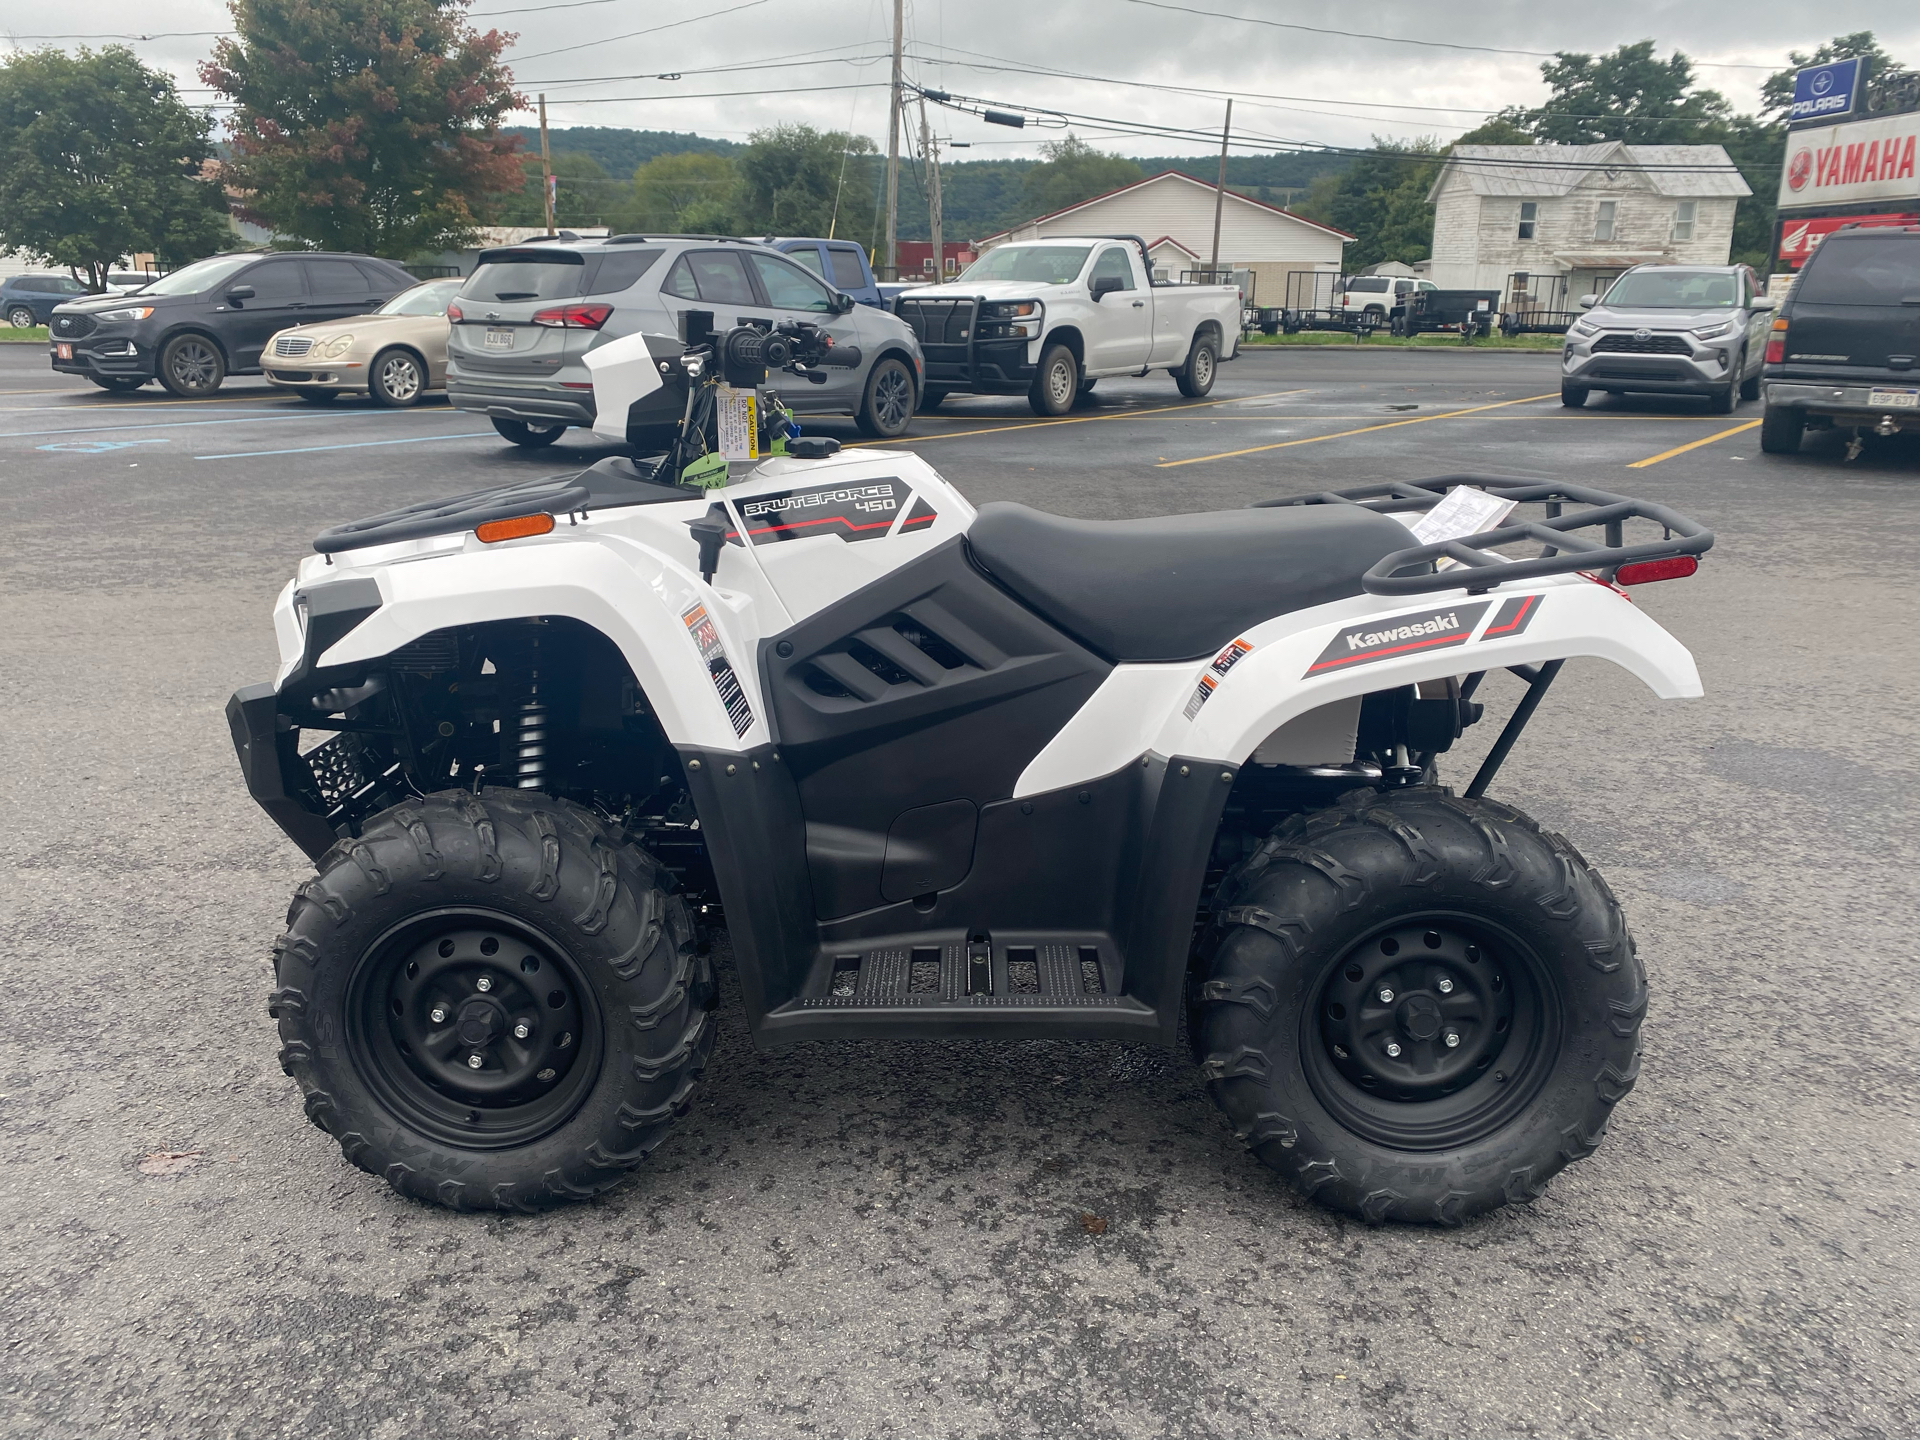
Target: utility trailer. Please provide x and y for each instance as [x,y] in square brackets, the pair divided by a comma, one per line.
[1316,301]
[1470,312]
[1536,305]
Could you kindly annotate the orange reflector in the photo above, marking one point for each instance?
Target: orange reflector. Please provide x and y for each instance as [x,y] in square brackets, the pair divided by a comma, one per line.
[1677,567]
[517,528]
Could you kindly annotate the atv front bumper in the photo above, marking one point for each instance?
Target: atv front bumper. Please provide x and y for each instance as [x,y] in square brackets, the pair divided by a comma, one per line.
[264,740]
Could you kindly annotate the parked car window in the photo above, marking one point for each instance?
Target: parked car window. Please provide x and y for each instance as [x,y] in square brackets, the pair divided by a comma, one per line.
[275,280]
[555,275]
[376,278]
[721,277]
[848,272]
[1869,270]
[1668,289]
[1367,284]
[679,281]
[1113,264]
[807,255]
[199,277]
[431,298]
[790,288]
[1038,264]
[620,268]
[336,277]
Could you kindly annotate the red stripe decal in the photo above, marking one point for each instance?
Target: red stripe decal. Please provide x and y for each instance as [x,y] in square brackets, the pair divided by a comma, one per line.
[1526,609]
[1360,655]
[823,520]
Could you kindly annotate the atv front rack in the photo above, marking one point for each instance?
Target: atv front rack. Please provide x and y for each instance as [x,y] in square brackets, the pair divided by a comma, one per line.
[1563,552]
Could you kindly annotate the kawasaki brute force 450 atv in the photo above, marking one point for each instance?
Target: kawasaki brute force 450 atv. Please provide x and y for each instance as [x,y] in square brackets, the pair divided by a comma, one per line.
[940,773]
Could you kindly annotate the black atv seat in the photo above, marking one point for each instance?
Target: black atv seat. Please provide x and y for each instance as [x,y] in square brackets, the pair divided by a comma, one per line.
[1179,587]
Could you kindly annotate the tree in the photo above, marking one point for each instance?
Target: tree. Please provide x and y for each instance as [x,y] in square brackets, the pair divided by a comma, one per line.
[366,125]
[584,194]
[1776,92]
[1073,171]
[1629,95]
[796,180]
[102,160]
[1381,200]
[679,194]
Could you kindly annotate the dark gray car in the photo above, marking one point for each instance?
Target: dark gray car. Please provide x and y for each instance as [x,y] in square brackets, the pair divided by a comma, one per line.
[528,315]
[1670,330]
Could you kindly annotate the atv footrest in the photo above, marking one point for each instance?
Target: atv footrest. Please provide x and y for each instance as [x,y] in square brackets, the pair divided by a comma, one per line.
[959,973]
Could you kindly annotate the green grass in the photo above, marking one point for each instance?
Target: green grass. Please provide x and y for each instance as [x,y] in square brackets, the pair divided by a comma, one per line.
[1414,342]
[33,335]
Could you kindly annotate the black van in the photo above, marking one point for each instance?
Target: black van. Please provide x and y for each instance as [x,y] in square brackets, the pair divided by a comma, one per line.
[1845,348]
[211,319]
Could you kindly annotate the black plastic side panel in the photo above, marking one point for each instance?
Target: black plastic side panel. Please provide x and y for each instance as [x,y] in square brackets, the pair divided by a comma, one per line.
[750,816]
[1160,906]
[929,686]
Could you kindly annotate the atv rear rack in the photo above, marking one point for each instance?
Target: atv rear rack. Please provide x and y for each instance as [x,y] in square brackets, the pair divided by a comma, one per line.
[1563,552]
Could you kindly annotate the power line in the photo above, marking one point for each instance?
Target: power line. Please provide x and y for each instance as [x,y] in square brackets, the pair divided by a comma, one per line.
[1397,39]
[632,34]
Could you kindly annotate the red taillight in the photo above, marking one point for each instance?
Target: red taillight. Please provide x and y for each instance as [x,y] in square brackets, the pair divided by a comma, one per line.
[1777,343]
[574,317]
[454,314]
[1674,567]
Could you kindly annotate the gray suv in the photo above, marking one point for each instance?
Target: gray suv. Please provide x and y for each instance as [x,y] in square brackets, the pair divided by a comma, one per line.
[1670,330]
[525,319]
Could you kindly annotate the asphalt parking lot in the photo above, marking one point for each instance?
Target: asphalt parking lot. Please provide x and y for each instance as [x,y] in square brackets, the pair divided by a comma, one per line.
[884,1239]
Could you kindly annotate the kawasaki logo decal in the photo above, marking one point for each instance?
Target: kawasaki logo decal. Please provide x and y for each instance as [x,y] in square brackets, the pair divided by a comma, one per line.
[1399,635]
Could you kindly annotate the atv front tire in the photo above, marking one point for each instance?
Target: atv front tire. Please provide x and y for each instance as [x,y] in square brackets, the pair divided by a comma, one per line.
[491,1002]
[1417,1007]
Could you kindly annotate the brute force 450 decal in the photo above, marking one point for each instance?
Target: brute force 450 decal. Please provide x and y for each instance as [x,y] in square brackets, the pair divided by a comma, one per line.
[853,512]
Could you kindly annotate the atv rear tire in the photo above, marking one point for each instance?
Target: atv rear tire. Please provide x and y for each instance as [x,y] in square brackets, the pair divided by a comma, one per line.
[511,930]
[1473,923]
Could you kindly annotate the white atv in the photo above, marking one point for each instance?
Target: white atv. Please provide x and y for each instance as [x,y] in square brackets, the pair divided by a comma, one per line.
[940,773]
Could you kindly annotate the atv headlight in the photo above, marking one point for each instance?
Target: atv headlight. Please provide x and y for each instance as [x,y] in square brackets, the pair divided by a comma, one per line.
[1709,332]
[336,347]
[132,312]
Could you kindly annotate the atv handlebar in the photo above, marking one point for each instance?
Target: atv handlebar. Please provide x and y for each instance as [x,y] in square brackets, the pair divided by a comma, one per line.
[1562,552]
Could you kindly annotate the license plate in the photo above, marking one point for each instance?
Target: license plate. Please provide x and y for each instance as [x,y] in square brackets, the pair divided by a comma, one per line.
[63,350]
[1895,399]
[499,339]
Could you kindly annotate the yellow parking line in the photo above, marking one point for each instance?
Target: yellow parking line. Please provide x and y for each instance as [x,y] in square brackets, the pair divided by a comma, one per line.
[1077,419]
[1342,434]
[1690,445]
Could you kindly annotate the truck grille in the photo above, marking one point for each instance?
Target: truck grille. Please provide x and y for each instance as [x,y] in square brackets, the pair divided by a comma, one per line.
[1652,345]
[72,327]
[943,327]
[290,347]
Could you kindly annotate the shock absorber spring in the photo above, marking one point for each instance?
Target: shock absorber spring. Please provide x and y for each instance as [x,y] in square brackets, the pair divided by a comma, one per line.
[530,741]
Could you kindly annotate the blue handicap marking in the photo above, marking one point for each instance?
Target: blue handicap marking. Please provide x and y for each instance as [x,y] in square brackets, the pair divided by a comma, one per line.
[95,447]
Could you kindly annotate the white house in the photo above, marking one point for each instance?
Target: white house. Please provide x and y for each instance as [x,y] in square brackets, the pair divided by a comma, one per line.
[1255,237]
[1570,217]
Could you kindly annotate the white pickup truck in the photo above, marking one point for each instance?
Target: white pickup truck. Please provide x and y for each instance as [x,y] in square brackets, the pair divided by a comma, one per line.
[1047,318]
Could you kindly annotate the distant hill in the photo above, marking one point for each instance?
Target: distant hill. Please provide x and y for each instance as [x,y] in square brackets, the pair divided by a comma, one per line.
[978,196]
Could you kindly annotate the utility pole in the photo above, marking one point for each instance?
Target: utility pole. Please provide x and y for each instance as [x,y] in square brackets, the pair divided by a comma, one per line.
[930,147]
[893,152]
[546,167]
[1220,196]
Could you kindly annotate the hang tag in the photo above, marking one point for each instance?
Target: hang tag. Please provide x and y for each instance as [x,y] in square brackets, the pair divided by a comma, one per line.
[1465,511]
[738,416]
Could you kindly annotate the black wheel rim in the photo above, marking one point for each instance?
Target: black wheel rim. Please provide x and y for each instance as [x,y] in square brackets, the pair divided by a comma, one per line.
[450,987]
[192,365]
[1384,1067]
[892,399]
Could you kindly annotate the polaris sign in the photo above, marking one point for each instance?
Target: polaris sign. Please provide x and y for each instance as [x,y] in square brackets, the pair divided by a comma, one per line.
[1825,92]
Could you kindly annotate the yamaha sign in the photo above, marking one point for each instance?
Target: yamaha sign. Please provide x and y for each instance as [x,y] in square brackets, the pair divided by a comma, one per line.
[1825,92]
[1859,161]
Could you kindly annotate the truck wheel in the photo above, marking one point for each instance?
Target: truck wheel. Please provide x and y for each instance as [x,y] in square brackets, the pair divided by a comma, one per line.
[490,1002]
[1195,378]
[1055,383]
[932,397]
[1573,396]
[886,407]
[528,437]
[1781,429]
[1418,1007]
[191,366]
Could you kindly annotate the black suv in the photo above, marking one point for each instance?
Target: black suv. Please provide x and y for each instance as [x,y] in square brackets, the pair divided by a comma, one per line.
[193,328]
[1845,347]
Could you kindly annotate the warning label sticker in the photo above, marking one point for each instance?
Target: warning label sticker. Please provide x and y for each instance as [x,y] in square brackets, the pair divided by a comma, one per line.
[737,415]
[1215,673]
[706,639]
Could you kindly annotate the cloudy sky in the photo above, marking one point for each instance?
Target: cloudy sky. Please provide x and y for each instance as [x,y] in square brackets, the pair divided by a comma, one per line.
[728,67]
